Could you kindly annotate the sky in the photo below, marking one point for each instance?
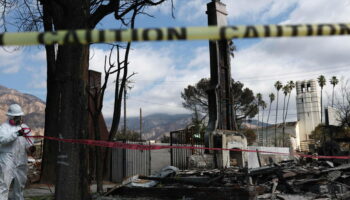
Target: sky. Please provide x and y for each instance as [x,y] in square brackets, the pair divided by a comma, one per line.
[164,69]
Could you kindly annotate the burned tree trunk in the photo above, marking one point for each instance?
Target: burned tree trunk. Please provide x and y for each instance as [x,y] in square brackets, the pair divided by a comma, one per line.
[119,87]
[71,177]
[71,74]
[48,174]
[97,126]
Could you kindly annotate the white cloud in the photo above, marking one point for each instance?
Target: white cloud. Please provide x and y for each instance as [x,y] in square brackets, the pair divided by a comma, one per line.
[159,80]
[291,59]
[201,58]
[164,8]
[97,59]
[39,56]
[150,65]
[257,11]
[298,58]
[248,10]
[191,10]
[163,95]
[35,66]
[252,11]
[320,11]
[38,77]
[10,61]
[11,69]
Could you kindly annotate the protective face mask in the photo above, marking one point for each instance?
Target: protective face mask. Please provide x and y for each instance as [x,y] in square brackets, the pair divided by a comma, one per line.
[12,122]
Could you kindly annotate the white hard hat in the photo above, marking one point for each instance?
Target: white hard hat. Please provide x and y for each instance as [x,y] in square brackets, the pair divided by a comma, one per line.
[15,110]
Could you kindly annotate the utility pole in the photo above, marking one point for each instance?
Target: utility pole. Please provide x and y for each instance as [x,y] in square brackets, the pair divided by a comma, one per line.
[126,86]
[140,124]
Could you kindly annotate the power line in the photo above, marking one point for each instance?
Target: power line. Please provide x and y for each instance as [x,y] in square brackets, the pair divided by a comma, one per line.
[331,69]
[155,103]
[317,71]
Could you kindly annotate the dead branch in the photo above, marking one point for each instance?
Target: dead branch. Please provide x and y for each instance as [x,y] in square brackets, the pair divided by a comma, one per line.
[120,89]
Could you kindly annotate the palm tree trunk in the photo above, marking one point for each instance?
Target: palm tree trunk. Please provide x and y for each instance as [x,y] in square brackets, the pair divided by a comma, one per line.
[267,122]
[321,105]
[286,114]
[262,127]
[276,121]
[257,126]
[333,95]
[284,106]
[285,117]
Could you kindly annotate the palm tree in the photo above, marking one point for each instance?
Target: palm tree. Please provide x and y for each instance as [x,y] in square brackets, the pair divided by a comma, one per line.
[258,101]
[286,91]
[334,81]
[321,82]
[272,98]
[291,85]
[278,86]
[263,106]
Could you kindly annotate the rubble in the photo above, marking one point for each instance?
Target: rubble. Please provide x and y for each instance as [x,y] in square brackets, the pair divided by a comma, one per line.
[289,180]
[34,166]
[316,180]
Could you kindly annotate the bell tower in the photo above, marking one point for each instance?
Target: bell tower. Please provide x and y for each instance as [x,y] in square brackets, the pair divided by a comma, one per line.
[308,110]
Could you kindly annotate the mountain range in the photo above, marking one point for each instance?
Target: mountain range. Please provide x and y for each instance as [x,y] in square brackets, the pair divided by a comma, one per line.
[154,126]
[32,106]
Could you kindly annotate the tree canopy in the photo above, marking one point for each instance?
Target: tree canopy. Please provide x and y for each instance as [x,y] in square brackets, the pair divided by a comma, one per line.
[244,102]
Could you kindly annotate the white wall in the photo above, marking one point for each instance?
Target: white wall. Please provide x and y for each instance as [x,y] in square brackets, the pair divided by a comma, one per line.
[290,130]
[253,158]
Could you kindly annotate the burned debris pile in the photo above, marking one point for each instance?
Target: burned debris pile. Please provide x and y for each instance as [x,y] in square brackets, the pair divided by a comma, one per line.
[315,180]
[285,180]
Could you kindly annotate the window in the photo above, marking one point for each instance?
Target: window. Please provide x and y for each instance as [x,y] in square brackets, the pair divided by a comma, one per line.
[308,87]
[302,88]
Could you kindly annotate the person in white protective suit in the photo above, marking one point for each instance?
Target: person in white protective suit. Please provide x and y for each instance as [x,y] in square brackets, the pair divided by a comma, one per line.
[14,147]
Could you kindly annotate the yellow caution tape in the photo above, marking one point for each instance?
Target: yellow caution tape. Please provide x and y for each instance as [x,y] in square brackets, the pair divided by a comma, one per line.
[180,33]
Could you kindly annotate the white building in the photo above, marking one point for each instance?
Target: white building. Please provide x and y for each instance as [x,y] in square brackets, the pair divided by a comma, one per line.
[308,110]
[291,129]
[308,117]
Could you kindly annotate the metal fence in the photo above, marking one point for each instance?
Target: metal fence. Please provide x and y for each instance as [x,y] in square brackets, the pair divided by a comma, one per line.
[127,162]
[187,137]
